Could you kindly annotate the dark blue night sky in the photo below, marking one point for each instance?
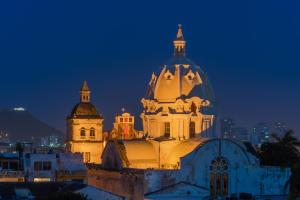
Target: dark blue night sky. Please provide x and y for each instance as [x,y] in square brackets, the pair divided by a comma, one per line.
[250,50]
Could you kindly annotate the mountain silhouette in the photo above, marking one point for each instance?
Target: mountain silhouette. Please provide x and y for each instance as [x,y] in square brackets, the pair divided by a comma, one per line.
[23,126]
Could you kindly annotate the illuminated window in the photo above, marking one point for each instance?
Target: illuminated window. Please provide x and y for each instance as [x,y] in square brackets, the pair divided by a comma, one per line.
[167,129]
[121,119]
[41,180]
[126,119]
[192,130]
[82,132]
[219,177]
[130,119]
[92,133]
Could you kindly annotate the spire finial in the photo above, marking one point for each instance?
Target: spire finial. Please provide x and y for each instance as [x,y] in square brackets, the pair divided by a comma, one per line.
[85,93]
[85,86]
[179,43]
[179,32]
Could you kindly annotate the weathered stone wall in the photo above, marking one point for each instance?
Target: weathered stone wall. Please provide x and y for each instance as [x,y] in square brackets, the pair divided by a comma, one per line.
[128,184]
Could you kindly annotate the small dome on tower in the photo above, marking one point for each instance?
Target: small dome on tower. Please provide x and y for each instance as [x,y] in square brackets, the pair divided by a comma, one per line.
[85,109]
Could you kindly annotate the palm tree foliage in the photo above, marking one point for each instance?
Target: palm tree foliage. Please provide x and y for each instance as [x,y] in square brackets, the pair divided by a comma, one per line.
[283,152]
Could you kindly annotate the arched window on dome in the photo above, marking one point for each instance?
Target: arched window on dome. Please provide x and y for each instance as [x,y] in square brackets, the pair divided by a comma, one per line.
[92,133]
[219,177]
[82,133]
[192,129]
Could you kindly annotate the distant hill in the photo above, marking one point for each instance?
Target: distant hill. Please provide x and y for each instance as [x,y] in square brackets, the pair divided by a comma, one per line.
[22,126]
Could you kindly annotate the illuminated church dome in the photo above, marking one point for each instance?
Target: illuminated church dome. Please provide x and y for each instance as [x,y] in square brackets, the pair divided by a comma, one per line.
[84,109]
[180,100]
[180,77]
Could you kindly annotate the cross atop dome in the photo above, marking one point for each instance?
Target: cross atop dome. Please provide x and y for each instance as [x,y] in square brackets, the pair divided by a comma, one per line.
[85,93]
[179,43]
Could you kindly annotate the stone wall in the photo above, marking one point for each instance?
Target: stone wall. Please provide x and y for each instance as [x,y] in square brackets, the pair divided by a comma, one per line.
[129,184]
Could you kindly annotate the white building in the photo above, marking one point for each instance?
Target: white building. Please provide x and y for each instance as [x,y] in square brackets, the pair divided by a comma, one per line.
[54,167]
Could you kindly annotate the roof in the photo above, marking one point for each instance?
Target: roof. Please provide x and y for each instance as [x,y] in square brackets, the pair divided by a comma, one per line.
[71,162]
[94,193]
[85,87]
[38,190]
[199,86]
[9,155]
[139,151]
[184,148]
[180,190]
[246,149]
[85,110]
[203,90]
[131,153]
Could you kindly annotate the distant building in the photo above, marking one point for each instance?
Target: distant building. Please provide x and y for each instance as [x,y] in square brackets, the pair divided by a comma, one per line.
[51,141]
[229,130]
[226,126]
[260,134]
[280,128]
[85,128]
[4,137]
[240,133]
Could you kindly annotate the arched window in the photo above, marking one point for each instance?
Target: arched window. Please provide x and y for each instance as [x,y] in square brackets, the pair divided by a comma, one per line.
[92,133]
[192,130]
[82,132]
[219,177]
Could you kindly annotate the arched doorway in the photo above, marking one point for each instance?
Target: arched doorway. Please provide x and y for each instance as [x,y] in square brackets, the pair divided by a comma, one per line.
[219,177]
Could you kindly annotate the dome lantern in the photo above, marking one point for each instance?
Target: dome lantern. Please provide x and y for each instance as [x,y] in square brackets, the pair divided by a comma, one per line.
[179,43]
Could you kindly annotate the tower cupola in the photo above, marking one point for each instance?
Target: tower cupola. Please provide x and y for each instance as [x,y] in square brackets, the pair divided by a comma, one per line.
[85,93]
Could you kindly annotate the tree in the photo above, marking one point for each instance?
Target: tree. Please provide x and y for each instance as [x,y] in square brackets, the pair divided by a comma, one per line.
[283,152]
[20,150]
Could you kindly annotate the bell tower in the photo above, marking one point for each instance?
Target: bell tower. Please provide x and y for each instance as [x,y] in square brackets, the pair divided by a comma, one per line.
[85,128]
